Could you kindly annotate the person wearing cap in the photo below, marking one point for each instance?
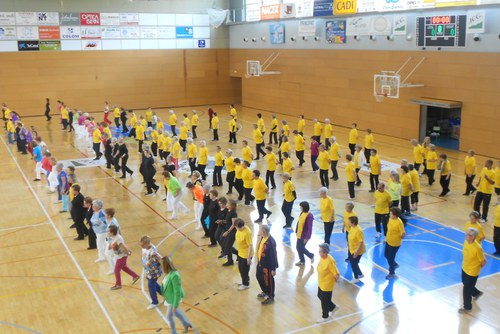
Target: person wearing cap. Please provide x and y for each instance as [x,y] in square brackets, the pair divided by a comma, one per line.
[473,222]
[328,275]
[473,261]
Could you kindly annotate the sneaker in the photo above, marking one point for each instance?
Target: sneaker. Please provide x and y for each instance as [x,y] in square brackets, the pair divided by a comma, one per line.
[361,276]
[464,310]
[228,264]
[116,287]
[148,194]
[312,260]
[354,281]
[222,256]
[396,266]
[135,280]
[322,320]
[58,201]
[262,295]
[111,272]
[476,297]
[36,180]
[243,287]
[99,260]
[391,276]
[268,301]
[212,245]
[152,306]
[258,221]
[371,190]
[482,220]
[174,217]
[300,264]
[269,214]
[333,311]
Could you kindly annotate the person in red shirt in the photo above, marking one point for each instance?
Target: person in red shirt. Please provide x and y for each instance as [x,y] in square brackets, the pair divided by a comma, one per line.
[210,116]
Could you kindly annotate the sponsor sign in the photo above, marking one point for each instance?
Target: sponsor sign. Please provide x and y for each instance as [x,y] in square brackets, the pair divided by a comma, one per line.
[202,44]
[48,18]
[90,32]
[166,32]
[70,33]
[50,46]
[183,32]
[400,25]
[392,5]
[130,32]
[8,33]
[344,7]
[49,32]
[7,18]
[92,44]
[27,33]
[304,8]
[368,25]
[307,28]
[70,19]
[475,21]
[90,19]
[365,6]
[26,19]
[287,10]
[110,19]
[323,8]
[129,19]
[149,33]
[270,12]
[335,32]
[252,12]
[28,45]
[277,32]
[111,32]
[455,3]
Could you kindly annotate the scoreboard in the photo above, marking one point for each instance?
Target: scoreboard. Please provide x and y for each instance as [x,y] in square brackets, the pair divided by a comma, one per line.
[442,31]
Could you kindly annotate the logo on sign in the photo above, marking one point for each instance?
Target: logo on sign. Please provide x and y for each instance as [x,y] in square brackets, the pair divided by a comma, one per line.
[28,45]
[42,17]
[270,12]
[91,45]
[202,43]
[90,19]
[345,7]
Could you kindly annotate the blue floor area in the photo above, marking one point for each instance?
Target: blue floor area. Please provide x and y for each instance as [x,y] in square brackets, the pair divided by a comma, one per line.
[447,142]
[430,257]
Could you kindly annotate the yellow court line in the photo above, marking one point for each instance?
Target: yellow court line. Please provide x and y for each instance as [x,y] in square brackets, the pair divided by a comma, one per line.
[29,292]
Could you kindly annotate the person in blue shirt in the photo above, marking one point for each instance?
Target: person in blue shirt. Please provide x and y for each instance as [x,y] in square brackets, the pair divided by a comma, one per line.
[100,227]
[63,187]
[37,156]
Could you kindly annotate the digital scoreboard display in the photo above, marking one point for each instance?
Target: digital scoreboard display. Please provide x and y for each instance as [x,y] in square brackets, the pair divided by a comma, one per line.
[442,31]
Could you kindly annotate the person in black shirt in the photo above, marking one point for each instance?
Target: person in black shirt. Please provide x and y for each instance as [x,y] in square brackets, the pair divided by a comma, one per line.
[78,212]
[87,204]
[213,211]
[109,143]
[228,237]
[70,120]
[123,118]
[47,109]
[122,154]
[221,219]
[204,214]
[148,170]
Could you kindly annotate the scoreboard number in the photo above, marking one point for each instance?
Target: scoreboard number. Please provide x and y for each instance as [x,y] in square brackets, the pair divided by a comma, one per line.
[442,31]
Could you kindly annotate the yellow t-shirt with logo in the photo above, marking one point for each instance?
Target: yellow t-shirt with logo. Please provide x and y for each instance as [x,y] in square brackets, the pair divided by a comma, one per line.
[395,230]
[261,125]
[285,147]
[327,272]
[172,119]
[415,180]
[232,126]
[243,240]
[334,151]
[219,159]
[383,201]
[327,208]
[418,154]
[431,155]
[447,168]
[96,136]
[133,121]
[233,112]
[149,115]
[167,141]
[473,256]
[187,122]
[139,132]
[215,123]
[496,221]
[271,161]
[375,165]
[497,177]
[203,156]
[288,189]
[64,113]
[259,189]
[257,136]
[286,130]
[160,126]
[406,185]
[154,136]
[328,131]
[176,150]
[116,112]
[192,150]
[183,132]
[301,125]
[369,142]
[238,171]
[484,186]
[324,160]
[194,120]
[470,165]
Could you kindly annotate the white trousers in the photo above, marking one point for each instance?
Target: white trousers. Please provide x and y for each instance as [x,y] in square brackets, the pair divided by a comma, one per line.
[101,245]
[38,169]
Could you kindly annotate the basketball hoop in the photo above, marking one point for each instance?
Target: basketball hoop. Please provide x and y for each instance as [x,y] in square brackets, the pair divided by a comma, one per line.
[380,97]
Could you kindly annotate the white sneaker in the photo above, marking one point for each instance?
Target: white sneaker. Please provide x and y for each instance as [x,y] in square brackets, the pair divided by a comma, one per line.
[99,260]
[111,272]
[361,276]
[354,281]
[378,235]
[152,306]
[334,310]
[322,320]
[174,217]
[243,287]
[199,227]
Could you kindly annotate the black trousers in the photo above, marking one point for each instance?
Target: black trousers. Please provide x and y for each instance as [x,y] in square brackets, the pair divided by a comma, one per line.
[367,155]
[109,157]
[71,128]
[116,163]
[232,137]
[217,178]
[333,165]
[172,129]
[244,269]
[124,126]
[302,250]
[248,196]
[216,134]
[132,132]
[496,239]
[64,123]
[139,143]
[430,176]
[238,185]
[358,180]
[117,122]
[265,279]
[125,168]
[150,183]
[261,208]
[327,143]
[201,169]
[92,238]
[444,181]
[97,149]
[286,208]
[193,131]
[323,177]
[211,232]
[350,186]
[192,164]
[328,231]
[416,166]
[204,216]
[258,148]
[352,148]
[183,143]
[273,135]
[405,204]
[468,181]
[154,149]
[373,181]
[300,156]
[381,220]
[390,255]
[355,265]
[270,177]
[414,197]
[230,180]
[227,245]
[469,289]
[327,305]
[81,229]
[485,199]
[47,114]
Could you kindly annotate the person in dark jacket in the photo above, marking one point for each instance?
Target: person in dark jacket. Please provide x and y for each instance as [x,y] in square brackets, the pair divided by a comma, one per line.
[122,153]
[267,263]
[304,231]
[148,170]
[204,213]
[87,204]
[123,118]
[213,214]
[78,212]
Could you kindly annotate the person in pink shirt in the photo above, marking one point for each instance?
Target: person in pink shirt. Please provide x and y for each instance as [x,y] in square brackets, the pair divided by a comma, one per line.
[314,153]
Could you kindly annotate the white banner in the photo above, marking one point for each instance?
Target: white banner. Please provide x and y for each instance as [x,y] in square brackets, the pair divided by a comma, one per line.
[304,8]
[110,19]
[148,19]
[70,32]
[27,33]
[111,32]
[129,19]
[8,33]
[7,18]
[475,21]
[253,12]
[92,44]
[48,18]
[26,18]
[149,33]
[91,32]
[287,10]
[400,25]
[130,32]
[366,6]
[166,19]
[166,32]
[369,25]
[307,28]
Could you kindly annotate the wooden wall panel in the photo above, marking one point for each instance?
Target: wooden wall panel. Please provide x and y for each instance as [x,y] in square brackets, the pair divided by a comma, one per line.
[133,79]
[339,85]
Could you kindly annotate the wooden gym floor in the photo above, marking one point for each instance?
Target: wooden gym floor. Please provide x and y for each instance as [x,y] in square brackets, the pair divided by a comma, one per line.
[49,283]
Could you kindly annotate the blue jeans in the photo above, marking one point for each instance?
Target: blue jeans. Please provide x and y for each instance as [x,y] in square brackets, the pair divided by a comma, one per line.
[301,249]
[10,137]
[178,313]
[153,288]
[59,194]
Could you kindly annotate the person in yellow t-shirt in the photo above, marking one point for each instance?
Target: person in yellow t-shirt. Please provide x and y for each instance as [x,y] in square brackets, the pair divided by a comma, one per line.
[301,125]
[116,115]
[383,202]
[327,132]
[219,164]
[260,192]
[496,228]
[394,239]
[175,152]
[418,154]
[328,275]
[287,164]
[243,240]
[431,163]
[186,120]
[64,117]
[262,127]
[133,124]
[348,212]
[369,140]
[11,131]
[267,263]
[233,128]
[485,186]
[233,112]
[96,140]
[194,123]
[375,169]
[356,246]
[149,117]
[334,156]
[406,190]
[473,261]
[324,166]
[274,130]
[473,222]
[272,161]
[258,138]
[246,152]
[327,209]
[497,178]
[166,146]
[415,181]
[183,135]
[172,121]
[285,128]
[284,147]
[192,150]
[139,133]
[317,130]
[230,168]
[247,177]
[445,178]
[299,147]
[353,137]
[350,173]
[215,126]
[238,178]
[203,158]
[289,196]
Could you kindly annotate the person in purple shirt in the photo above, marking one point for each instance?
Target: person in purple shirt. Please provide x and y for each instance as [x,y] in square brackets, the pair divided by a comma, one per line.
[304,232]
[37,156]
[314,153]
[63,187]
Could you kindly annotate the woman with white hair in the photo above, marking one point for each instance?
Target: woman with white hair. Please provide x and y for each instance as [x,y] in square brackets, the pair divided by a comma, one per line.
[334,150]
[267,263]
[473,261]
[327,210]
[100,226]
[328,275]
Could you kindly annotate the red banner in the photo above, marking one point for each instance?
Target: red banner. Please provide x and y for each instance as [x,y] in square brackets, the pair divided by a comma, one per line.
[49,32]
[90,19]
[270,12]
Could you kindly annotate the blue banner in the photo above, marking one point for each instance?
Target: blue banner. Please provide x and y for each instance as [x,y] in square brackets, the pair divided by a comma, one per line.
[183,32]
[335,31]
[277,31]
[323,7]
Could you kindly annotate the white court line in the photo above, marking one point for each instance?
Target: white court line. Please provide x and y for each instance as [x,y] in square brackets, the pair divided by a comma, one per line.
[438,265]
[77,265]
[21,227]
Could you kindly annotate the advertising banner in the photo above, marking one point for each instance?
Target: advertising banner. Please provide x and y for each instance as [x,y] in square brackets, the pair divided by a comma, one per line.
[49,32]
[90,19]
[149,33]
[70,19]
[110,19]
[166,32]
[277,32]
[92,45]
[27,33]
[48,18]
[270,12]
[28,45]
[50,46]
[335,32]
[344,7]
[252,12]
[70,33]
[130,32]
[475,21]
[7,18]
[400,25]
[307,28]
[369,25]
[111,32]
[26,19]
[8,33]
[183,32]
[323,8]
[287,10]
[304,8]
[90,32]
[129,19]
